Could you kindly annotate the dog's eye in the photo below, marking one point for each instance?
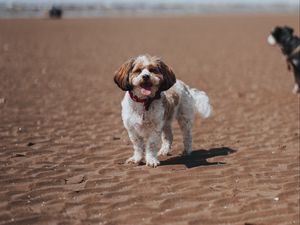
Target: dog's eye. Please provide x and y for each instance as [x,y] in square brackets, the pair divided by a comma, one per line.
[137,70]
[153,70]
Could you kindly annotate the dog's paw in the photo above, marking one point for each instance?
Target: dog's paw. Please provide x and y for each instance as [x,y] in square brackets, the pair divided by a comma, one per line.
[133,160]
[152,162]
[296,89]
[164,151]
[187,152]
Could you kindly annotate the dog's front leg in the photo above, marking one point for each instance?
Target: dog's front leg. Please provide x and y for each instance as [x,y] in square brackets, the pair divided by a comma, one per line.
[152,145]
[138,147]
[296,89]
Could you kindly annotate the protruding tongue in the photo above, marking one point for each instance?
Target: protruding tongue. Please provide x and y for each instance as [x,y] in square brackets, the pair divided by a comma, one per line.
[146,91]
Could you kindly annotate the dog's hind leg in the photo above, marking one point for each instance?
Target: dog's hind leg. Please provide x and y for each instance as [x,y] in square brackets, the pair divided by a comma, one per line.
[167,139]
[186,125]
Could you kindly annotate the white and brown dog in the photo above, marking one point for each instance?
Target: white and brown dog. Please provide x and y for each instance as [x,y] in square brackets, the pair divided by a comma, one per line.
[153,99]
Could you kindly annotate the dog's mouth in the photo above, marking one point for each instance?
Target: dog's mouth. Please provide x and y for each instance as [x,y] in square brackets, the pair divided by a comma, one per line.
[271,40]
[146,88]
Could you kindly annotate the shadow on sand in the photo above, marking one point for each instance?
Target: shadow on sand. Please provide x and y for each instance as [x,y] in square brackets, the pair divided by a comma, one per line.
[198,157]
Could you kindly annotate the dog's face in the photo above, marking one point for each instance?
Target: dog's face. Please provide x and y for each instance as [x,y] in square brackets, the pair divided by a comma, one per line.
[280,34]
[144,76]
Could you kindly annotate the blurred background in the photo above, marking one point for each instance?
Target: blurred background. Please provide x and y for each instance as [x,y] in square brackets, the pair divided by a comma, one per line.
[99,8]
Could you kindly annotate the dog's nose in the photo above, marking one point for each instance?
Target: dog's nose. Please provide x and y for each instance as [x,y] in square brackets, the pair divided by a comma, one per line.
[146,77]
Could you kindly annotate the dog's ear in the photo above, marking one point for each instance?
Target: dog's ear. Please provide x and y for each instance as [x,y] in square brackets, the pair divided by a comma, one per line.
[289,29]
[121,77]
[168,76]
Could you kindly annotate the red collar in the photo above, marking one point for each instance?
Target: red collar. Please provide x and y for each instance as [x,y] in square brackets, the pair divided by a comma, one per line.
[147,101]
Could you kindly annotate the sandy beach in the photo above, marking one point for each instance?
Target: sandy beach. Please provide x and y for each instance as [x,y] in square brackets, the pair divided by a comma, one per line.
[63,145]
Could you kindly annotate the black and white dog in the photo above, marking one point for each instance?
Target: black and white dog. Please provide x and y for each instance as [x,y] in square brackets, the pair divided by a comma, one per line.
[290,47]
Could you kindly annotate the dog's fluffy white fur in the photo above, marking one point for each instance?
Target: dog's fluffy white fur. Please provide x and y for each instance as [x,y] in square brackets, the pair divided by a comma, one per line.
[149,126]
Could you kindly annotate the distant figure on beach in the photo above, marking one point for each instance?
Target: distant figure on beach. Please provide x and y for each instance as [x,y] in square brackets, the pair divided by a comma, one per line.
[55,12]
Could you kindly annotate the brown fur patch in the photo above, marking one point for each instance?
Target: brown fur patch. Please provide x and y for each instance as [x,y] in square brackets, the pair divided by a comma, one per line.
[170,101]
[168,76]
[138,68]
[122,75]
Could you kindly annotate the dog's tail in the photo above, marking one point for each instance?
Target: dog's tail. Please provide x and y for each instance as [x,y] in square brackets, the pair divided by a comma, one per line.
[201,102]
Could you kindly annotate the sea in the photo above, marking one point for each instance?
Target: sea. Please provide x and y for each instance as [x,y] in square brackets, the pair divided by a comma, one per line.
[125,8]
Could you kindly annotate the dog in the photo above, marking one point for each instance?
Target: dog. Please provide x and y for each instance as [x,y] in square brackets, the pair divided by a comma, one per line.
[152,100]
[290,47]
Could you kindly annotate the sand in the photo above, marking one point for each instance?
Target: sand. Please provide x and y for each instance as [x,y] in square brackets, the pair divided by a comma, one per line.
[63,145]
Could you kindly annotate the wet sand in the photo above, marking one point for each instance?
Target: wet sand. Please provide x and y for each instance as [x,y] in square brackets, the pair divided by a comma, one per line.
[63,145]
